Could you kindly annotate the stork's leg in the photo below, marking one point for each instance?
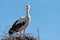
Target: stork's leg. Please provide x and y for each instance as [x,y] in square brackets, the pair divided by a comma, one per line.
[20,32]
[24,31]
[16,33]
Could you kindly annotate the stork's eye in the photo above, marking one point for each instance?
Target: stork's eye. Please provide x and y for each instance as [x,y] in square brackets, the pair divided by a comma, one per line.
[26,6]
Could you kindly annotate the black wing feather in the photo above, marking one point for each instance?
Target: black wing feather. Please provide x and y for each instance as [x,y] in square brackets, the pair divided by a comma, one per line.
[16,27]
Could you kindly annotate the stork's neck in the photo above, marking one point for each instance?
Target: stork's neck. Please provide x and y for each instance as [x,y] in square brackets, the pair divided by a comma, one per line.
[27,13]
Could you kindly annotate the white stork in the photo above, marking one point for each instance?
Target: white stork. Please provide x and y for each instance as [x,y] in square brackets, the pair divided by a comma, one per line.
[21,23]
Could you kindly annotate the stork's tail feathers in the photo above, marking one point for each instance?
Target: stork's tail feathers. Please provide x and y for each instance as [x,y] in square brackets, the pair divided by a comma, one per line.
[10,32]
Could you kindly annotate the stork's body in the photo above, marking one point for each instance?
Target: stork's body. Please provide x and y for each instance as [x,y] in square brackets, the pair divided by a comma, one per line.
[21,23]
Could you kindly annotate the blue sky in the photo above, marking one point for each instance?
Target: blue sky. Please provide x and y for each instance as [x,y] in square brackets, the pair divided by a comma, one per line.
[45,15]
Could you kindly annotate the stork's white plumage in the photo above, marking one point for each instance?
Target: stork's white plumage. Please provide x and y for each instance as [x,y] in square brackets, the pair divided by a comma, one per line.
[21,23]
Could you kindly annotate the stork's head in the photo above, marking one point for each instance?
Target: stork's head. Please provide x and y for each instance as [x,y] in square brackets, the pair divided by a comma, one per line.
[27,7]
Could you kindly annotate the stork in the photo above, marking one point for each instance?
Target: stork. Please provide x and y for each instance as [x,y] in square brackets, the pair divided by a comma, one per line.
[22,23]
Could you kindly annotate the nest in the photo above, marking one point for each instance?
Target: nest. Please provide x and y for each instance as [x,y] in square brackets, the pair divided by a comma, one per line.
[20,37]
